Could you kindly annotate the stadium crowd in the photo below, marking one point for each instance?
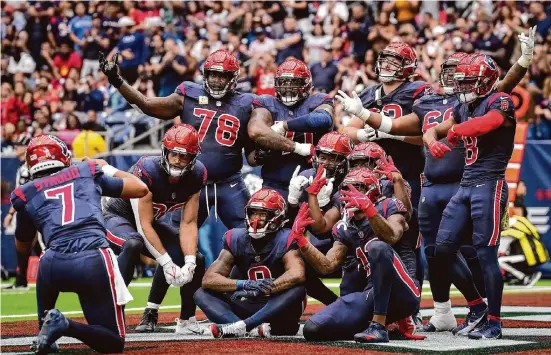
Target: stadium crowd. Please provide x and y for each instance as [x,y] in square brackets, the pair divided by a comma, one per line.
[50,51]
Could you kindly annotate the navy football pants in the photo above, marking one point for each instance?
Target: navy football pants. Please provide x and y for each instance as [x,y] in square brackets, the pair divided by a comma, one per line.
[90,275]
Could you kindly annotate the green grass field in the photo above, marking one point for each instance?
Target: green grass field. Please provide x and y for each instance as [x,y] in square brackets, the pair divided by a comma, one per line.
[24,302]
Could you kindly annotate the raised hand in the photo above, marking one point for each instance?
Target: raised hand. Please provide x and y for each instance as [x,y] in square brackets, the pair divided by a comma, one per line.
[111,69]
[296,186]
[319,181]
[302,221]
[527,47]
[354,199]
[353,105]
[386,167]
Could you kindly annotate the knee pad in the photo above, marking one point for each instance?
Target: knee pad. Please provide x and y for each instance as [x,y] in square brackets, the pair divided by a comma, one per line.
[134,245]
[444,250]
[311,331]
[468,252]
[430,251]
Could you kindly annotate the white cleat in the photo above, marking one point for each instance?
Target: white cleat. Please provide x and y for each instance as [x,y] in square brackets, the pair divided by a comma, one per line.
[262,331]
[231,330]
[188,327]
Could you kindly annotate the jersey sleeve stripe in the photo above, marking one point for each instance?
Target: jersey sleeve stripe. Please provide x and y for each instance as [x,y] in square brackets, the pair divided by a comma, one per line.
[228,238]
[92,167]
[419,90]
[182,89]
[385,207]
[19,193]
[204,175]
[257,103]
[114,239]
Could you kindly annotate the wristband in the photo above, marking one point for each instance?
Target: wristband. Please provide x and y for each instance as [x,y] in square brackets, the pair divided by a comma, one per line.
[190,259]
[164,259]
[386,124]
[240,284]
[116,81]
[302,241]
[109,170]
[364,114]
[371,211]
[362,135]
[524,62]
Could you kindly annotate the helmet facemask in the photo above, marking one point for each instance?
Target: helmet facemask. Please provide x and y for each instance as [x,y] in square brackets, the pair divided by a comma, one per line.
[334,164]
[290,90]
[177,162]
[261,221]
[388,66]
[219,82]
[446,78]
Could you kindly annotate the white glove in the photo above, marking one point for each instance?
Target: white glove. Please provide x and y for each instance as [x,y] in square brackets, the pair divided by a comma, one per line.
[304,149]
[279,128]
[527,47]
[173,273]
[324,196]
[297,186]
[370,134]
[353,105]
[189,268]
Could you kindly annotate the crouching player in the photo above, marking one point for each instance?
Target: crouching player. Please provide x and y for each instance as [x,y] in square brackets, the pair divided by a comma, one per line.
[175,180]
[391,293]
[63,202]
[270,300]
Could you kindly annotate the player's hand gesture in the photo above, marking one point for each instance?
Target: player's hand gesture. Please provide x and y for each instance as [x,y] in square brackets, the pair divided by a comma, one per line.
[188,270]
[527,47]
[111,69]
[319,181]
[355,200]
[296,186]
[253,288]
[324,195]
[453,137]
[387,168]
[438,149]
[302,221]
[173,274]
[353,105]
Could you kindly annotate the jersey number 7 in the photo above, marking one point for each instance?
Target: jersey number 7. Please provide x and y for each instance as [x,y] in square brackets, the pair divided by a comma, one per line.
[226,130]
[67,196]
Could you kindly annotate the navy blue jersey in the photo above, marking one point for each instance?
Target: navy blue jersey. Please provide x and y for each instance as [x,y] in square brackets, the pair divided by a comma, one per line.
[486,156]
[65,207]
[408,158]
[167,197]
[222,126]
[357,234]
[258,264]
[432,110]
[281,165]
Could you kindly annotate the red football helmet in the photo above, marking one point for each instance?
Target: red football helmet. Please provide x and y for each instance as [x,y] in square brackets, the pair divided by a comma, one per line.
[476,76]
[265,212]
[365,155]
[46,152]
[399,61]
[448,70]
[332,150]
[293,82]
[220,73]
[180,140]
[365,181]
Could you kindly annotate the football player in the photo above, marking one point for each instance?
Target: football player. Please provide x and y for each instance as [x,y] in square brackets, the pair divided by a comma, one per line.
[269,300]
[220,115]
[63,202]
[319,187]
[441,182]
[391,291]
[175,180]
[290,124]
[484,119]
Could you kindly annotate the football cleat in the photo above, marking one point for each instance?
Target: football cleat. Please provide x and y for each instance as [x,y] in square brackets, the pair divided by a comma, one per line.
[473,320]
[149,321]
[417,321]
[262,331]
[230,330]
[188,327]
[52,329]
[16,287]
[441,322]
[490,330]
[375,333]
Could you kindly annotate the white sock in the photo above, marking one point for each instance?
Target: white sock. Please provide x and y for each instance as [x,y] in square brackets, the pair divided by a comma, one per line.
[443,307]
[153,305]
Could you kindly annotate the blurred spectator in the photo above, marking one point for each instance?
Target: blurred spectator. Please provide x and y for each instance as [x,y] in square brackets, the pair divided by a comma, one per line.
[19,61]
[404,10]
[71,130]
[92,122]
[171,70]
[66,60]
[315,43]
[292,44]
[349,77]
[358,31]
[381,33]
[8,138]
[88,143]
[262,44]
[58,28]
[325,72]
[368,66]
[94,42]
[36,26]
[41,123]
[236,47]
[13,108]
[132,49]
[487,43]
[79,25]
[92,97]
[541,19]
[263,70]
[329,11]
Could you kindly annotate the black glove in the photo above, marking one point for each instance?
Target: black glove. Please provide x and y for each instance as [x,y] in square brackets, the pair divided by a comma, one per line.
[111,69]
[245,294]
[261,155]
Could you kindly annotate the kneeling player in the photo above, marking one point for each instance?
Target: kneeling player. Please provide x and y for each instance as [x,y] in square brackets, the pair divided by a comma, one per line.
[391,293]
[63,202]
[175,180]
[272,292]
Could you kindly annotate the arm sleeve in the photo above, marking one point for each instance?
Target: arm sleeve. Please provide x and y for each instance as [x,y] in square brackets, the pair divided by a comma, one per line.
[110,186]
[318,120]
[479,126]
[25,228]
